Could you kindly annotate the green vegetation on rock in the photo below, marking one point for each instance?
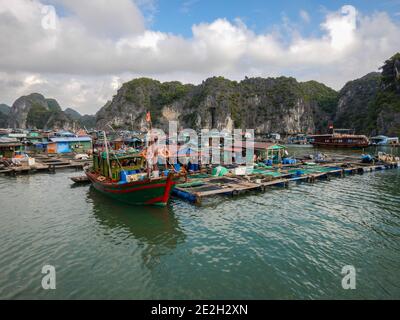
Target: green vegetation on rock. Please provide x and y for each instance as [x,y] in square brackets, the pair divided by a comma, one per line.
[38,116]
[370,105]
[4,114]
[385,109]
[280,104]
[5,109]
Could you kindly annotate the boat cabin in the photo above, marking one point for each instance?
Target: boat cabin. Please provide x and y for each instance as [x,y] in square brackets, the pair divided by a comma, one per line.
[341,138]
[124,143]
[122,164]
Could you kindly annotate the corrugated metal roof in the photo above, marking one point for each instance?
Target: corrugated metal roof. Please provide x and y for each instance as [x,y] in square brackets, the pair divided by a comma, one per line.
[8,140]
[71,139]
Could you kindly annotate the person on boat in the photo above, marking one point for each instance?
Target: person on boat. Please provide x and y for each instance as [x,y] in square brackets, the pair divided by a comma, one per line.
[257,158]
[152,152]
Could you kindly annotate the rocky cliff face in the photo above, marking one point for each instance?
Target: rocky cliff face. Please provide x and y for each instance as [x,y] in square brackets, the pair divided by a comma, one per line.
[35,111]
[129,106]
[5,109]
[386,107]
[371,104]
[267,105]
[72,114]
[4,113]
[21,107]
[355,101]
[85,121]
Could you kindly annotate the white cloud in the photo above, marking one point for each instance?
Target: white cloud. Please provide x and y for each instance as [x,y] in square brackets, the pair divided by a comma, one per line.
[104,18]
[305,16]
[96,47]
[188,5]
[342,27]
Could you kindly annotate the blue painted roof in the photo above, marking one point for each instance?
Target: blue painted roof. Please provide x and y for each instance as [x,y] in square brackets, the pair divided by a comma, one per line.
[71,139]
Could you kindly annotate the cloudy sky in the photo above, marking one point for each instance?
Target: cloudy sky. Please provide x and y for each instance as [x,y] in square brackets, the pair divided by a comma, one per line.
[80,52]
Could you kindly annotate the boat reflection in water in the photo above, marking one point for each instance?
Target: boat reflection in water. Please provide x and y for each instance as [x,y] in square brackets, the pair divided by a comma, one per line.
[154,230]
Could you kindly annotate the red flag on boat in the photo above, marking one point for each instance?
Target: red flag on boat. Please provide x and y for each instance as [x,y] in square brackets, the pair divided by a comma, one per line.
[148,116]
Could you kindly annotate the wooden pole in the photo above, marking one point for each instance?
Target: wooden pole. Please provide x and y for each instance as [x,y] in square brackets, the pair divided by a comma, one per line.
[149,169]
[107,155]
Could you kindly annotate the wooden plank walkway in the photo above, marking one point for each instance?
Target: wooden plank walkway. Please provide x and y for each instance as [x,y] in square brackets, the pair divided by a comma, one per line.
[45,163]
[235,185]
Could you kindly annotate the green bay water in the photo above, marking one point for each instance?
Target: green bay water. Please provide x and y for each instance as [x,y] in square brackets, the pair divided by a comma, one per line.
[282,244]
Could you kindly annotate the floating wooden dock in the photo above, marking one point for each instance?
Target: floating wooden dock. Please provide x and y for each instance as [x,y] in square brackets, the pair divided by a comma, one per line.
[44,163]
[196,189]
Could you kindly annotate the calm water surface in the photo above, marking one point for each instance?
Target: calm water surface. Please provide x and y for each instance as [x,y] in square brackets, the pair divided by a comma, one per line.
[285,243]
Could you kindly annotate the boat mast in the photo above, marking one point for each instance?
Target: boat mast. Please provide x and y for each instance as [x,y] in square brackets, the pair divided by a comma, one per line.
[149,136]
[107,155]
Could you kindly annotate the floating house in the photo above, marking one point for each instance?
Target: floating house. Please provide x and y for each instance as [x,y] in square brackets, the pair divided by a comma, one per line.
[263,151]
[21,136]
[9,146]
[300,139]
[384,141]
[4,133]
[275,136]
[274,153]
[69,145]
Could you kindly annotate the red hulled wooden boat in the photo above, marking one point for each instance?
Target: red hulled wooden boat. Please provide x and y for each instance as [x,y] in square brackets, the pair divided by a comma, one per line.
[122,176]
[145,192]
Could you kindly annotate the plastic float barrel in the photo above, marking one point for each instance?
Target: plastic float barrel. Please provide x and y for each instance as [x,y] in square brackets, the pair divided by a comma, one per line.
[193,167]
[289,161]
[184,195]
[367,158]
[123,176]
[299,173]
[268,162]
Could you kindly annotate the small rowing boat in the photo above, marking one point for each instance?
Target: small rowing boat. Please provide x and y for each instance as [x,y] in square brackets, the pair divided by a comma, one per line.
[80,179]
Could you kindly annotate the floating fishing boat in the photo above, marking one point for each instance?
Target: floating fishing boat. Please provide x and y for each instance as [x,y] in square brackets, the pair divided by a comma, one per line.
[340,138]
[123,176]
[385,141]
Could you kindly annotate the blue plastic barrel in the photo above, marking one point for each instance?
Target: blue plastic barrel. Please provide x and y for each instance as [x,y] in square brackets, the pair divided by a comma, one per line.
[268,162]
[193,167]
[123,176]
